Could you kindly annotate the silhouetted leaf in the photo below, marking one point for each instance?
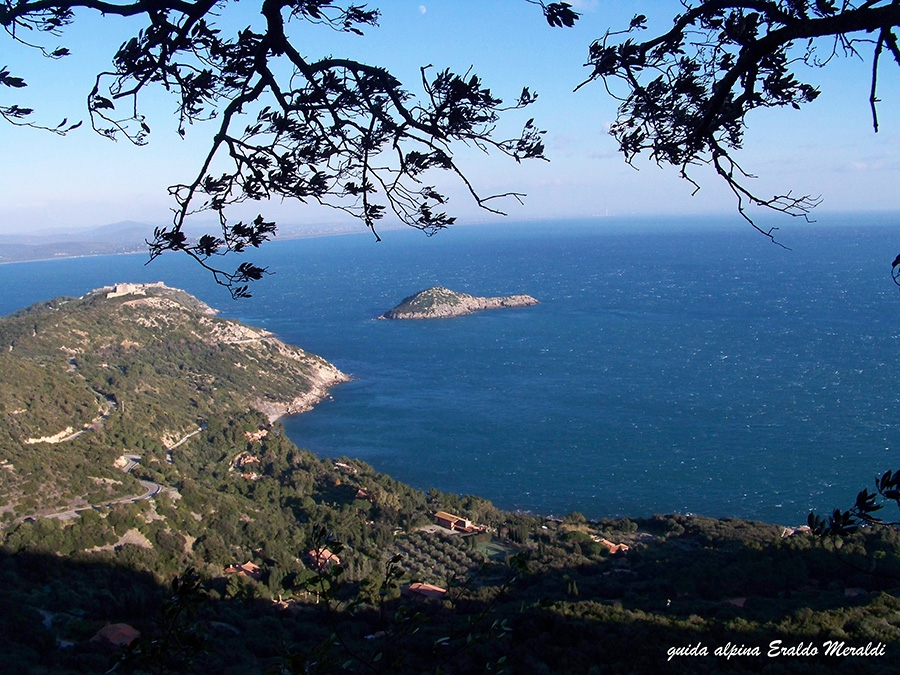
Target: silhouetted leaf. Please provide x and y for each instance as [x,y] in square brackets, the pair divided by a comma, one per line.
[559,14]
[101,103]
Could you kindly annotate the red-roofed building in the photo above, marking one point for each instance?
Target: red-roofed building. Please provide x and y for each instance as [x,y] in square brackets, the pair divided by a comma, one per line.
[116,635]
[419,591]
[457,523]
[247,569]
[614,548]
[323,559]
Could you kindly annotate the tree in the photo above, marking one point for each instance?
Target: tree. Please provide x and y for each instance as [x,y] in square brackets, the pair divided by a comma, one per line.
[346,134]
[685,94]
[335,131]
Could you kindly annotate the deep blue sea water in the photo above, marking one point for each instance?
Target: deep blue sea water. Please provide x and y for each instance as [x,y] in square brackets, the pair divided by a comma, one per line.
[702,370]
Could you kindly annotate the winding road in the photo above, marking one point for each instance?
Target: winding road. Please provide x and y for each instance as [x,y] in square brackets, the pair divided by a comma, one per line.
[151,489]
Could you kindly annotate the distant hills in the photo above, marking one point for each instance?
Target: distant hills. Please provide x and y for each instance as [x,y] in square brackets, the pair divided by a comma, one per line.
[117,238]
[126,237]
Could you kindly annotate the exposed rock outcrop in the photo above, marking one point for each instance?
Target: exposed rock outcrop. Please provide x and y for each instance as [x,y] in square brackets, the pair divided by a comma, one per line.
[442,303]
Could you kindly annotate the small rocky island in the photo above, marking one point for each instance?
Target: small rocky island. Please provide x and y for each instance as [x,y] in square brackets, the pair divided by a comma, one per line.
[442,303]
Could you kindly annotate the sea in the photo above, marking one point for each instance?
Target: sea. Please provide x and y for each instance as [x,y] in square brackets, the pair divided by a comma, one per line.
[673,365]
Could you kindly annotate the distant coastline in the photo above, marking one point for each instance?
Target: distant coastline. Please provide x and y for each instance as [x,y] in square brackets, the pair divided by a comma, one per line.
[126,238]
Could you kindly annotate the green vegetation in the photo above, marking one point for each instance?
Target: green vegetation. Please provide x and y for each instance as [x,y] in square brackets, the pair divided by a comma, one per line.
[140,372]
[328,547]
[438,302]
[428,300]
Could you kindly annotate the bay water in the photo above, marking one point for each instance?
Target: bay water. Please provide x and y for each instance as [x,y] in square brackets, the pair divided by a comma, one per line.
[671,366]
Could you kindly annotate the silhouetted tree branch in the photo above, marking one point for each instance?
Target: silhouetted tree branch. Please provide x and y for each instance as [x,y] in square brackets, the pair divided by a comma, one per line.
[348,135]
[685,94]
[334,131]
[862,513]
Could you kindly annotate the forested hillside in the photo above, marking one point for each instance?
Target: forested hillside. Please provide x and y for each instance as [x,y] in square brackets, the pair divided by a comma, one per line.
[134,370]
[138,447]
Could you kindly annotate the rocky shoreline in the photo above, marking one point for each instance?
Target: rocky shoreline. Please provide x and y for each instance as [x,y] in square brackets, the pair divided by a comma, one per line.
[318,374]
[321,382]
[321,376]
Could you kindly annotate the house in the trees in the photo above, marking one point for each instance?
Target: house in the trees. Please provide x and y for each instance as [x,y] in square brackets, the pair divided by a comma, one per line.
[419,591]
[247,569]
[456,523]
[346,468]
[614,548]
[116,635]
[256,436]
[323,559]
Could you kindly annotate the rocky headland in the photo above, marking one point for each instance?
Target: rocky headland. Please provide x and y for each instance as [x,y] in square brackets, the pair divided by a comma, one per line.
[442,303]
[154,347]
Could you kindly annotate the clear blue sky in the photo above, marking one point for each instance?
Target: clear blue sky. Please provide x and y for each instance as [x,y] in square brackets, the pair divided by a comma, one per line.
[84,180]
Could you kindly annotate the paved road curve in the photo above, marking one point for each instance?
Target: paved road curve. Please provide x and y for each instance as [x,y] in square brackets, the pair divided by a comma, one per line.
[151,490]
